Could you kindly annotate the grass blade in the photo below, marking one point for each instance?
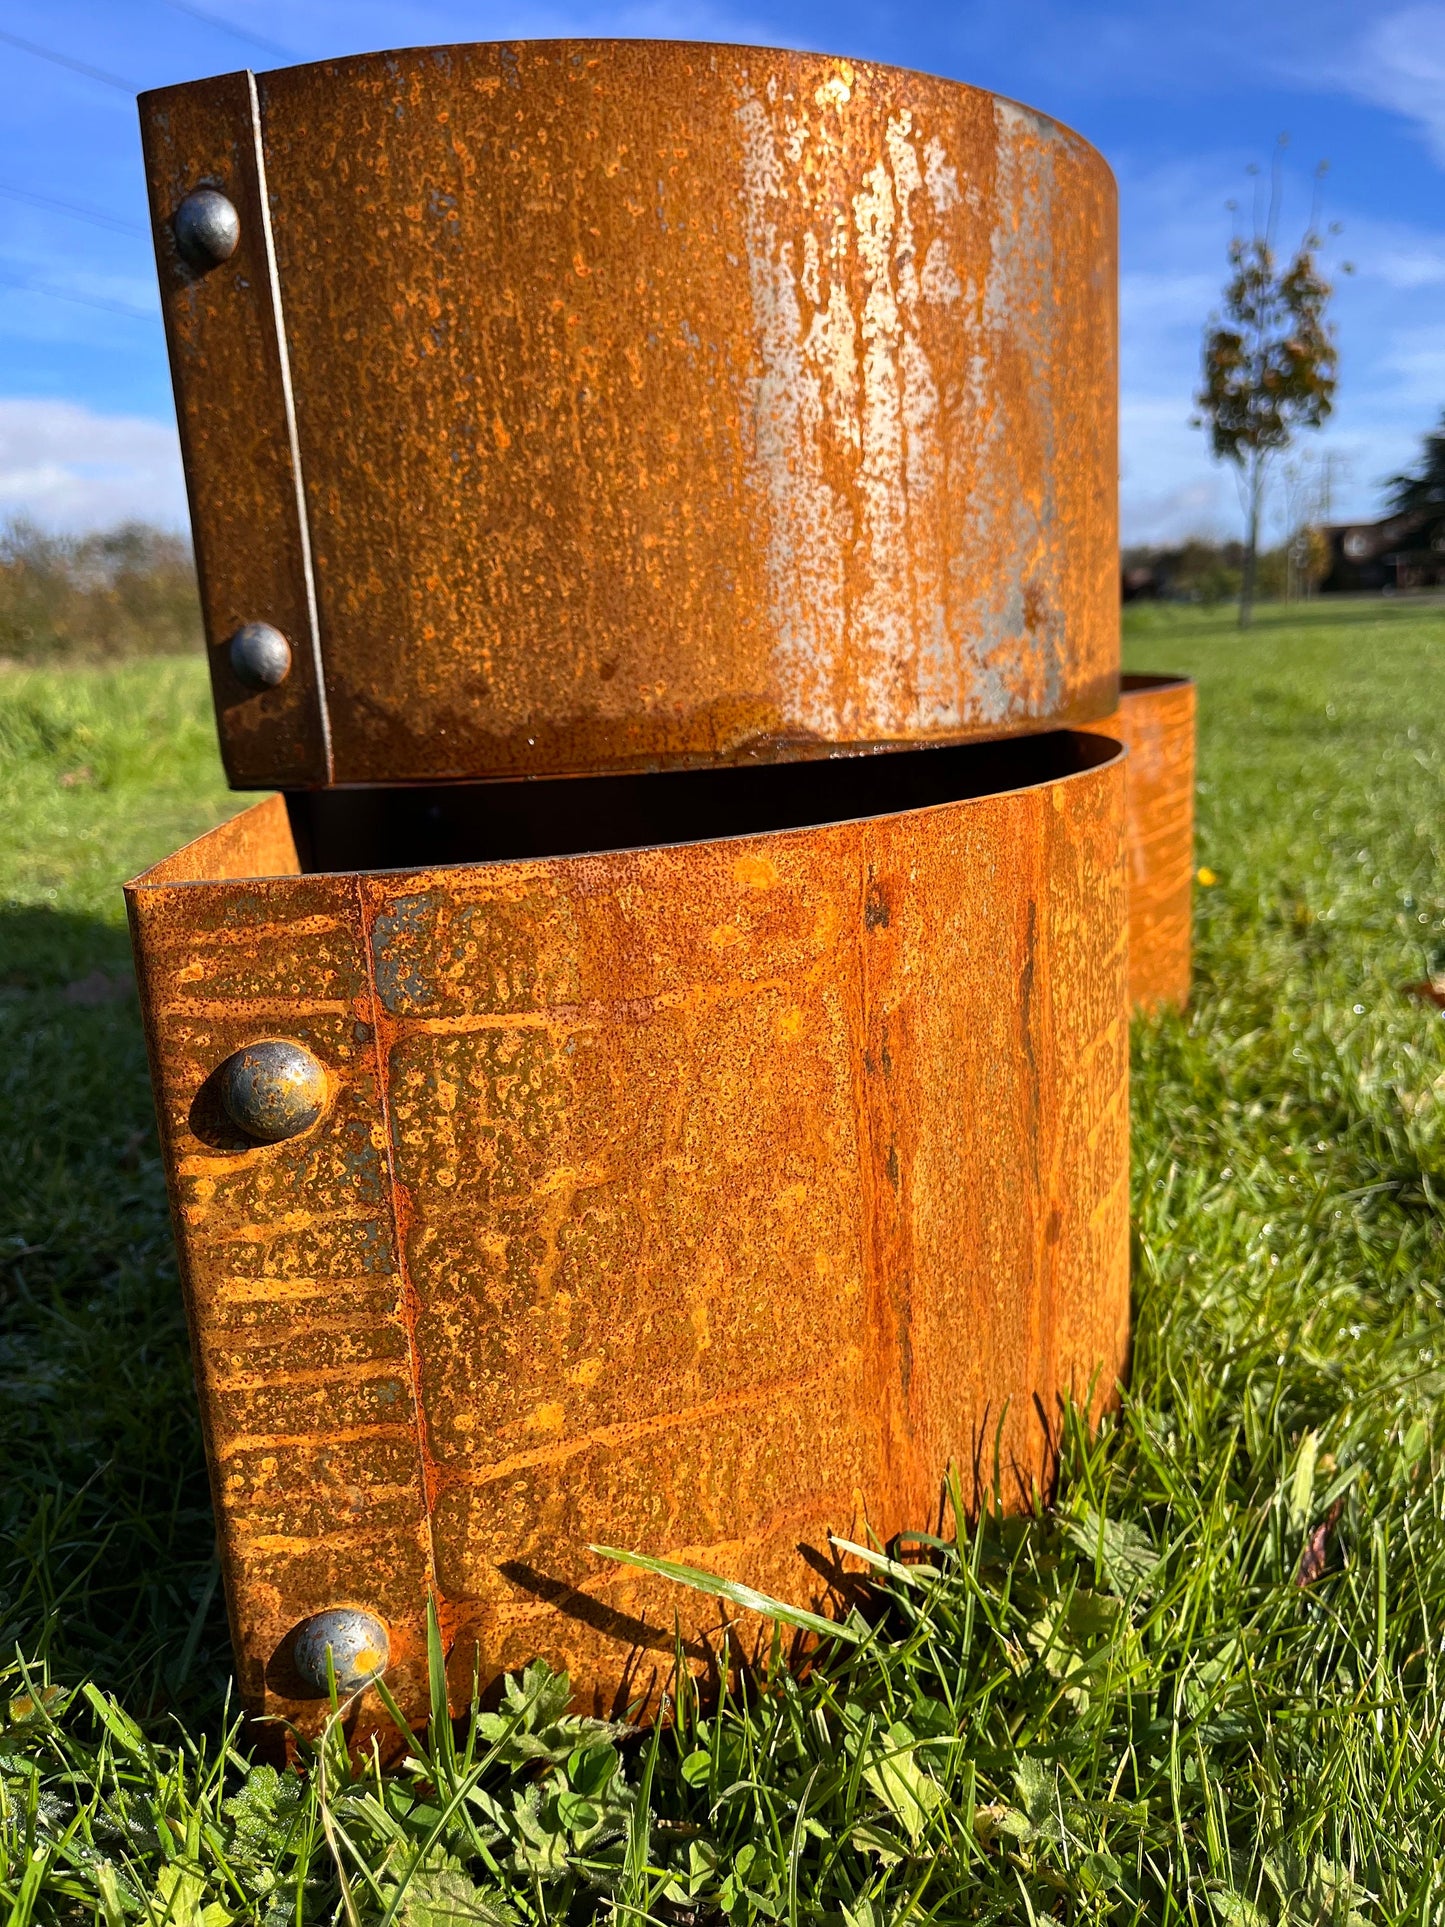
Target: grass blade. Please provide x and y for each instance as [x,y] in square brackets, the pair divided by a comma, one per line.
[737,1595]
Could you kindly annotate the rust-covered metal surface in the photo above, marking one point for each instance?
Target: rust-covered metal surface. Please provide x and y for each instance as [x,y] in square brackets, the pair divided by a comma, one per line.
[695,1199]
[1155,722]
[651,403]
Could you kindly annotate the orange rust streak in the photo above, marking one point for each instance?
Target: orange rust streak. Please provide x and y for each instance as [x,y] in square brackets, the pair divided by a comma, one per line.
[634,1431]
[283,1221]
[275,1543]
[246,936]
[269,1290]
[212,1164]
[586,1017]
[342,1435]
[355,1373]
[257,1497]
[240,1009]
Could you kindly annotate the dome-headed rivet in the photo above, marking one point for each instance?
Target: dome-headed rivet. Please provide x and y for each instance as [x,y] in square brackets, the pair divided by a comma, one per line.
[273,1090]
[207,228]
[260,656]
[357,1641]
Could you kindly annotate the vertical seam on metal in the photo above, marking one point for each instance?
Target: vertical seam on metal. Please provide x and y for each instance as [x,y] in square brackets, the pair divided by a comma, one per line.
[380,1023]
[876,1371]
[288,402]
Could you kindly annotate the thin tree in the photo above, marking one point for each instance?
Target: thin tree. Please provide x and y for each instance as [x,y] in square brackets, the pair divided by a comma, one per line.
[1270,363]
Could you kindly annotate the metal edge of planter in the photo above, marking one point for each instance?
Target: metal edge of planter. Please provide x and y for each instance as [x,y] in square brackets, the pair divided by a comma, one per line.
[1155,721]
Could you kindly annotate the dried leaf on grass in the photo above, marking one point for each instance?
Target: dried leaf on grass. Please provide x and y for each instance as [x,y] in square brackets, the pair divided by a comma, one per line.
[1315,1558]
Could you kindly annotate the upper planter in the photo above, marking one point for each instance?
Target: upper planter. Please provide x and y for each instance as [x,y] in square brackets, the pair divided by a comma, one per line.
[588,405]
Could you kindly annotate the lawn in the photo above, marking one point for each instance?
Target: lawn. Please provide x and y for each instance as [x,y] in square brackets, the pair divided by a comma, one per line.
[1206,1686]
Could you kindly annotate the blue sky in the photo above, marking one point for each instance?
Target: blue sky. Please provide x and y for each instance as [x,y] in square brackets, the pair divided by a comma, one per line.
[1180,100]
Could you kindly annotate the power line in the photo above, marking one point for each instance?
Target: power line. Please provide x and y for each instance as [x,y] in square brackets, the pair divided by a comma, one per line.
[64,60]
[230,26]
[80,212]
[27,286]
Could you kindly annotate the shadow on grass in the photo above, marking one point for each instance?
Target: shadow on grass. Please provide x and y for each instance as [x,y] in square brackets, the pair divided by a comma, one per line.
[107,1558]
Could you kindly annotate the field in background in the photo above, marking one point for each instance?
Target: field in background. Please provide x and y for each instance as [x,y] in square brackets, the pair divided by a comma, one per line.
[96,598]
[1132,1709]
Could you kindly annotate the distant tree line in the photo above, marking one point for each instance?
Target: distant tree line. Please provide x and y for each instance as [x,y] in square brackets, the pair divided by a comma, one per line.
[1209,572]
[131,590]
[86,598]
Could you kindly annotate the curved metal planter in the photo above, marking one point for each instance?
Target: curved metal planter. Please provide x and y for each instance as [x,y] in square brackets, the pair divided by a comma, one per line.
[1155,723]
[583,405]
[700,1197]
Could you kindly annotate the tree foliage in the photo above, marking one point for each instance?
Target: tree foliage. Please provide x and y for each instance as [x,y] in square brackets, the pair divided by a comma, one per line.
[1270,361]
[1422,487]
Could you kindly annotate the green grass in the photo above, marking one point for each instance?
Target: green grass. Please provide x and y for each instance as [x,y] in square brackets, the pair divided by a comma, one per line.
[1126,1709]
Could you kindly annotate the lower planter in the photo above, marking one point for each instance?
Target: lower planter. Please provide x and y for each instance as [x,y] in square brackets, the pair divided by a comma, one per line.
[696,1164]
[1155,723]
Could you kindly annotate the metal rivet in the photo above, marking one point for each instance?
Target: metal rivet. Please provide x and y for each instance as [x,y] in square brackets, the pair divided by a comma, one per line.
[260,656]
[357,1641]
[207,228]
[273,1090]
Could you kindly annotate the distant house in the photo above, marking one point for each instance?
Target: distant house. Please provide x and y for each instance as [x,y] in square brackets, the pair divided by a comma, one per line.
[1143,582]
[1401,552]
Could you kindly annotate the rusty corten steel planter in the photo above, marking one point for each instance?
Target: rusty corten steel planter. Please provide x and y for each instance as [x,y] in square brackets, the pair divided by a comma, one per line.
[696,1198]
[1155,723]
[701,1156]
[602,404]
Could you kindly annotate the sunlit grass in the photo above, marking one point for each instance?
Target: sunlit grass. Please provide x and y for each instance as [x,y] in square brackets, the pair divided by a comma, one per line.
[1206,1687]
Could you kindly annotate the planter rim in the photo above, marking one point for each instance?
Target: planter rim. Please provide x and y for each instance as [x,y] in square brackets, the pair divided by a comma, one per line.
[1096,754]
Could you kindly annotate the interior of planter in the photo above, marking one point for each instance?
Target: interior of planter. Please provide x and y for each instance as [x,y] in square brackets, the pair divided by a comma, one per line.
[404,828]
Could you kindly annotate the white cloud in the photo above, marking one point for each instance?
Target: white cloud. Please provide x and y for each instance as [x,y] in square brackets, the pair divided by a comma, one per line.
[1399,63]
[1415,357]
[1194,508]
[67,467]
[1389,254]
[1168,487]
[1168,300]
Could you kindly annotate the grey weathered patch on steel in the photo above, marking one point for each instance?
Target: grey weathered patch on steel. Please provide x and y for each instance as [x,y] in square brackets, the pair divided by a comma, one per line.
[273,1090]
[260,656]
[207,227]
[400,984]
[357,1641]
